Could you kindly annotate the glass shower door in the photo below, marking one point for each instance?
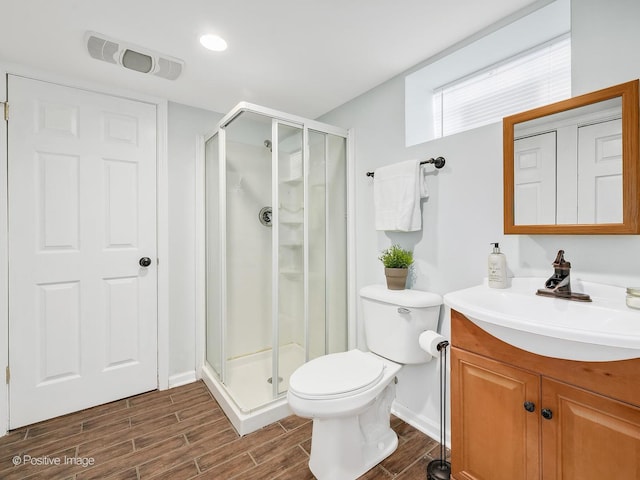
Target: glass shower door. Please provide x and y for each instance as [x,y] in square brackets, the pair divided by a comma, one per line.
[335,272]
[289,253]
[327,249]
[317,227]
[247,249]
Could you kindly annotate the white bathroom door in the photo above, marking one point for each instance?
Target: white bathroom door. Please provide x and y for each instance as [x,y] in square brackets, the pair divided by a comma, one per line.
[600,167]
[82,215]
[535,180]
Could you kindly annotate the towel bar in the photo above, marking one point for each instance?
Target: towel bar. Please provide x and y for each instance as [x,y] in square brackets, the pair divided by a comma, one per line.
[437,162]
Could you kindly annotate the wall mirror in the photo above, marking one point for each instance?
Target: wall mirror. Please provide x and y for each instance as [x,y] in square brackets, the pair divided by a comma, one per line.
[572,167]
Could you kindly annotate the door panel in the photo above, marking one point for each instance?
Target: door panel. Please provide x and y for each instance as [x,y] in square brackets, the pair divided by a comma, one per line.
[535,180]
[59,327]
[600,167]
[82,211]
[589,436]
[489,397]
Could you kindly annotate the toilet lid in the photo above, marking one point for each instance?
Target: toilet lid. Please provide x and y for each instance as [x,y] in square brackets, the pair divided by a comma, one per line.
[336,375]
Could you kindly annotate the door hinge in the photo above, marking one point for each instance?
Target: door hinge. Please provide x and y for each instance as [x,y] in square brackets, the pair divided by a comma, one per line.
[6,111]
[8,374]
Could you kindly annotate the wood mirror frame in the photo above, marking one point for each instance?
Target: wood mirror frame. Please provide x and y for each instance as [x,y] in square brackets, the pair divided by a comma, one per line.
[630,163]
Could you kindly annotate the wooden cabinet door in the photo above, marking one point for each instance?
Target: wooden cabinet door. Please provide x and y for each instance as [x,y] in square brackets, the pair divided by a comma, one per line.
[589,436]
[493,436]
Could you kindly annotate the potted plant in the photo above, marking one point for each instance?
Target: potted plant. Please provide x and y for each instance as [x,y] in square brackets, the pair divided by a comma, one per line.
[396,261]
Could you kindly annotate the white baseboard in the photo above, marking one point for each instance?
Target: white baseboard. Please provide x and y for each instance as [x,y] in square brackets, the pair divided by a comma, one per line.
[422,423]
[183,378]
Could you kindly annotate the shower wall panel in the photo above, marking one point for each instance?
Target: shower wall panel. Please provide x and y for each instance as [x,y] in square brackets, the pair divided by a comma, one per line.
[248,250]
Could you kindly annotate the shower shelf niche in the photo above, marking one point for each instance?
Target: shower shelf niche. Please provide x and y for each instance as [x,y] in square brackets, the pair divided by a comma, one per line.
[292,181]
[290,273]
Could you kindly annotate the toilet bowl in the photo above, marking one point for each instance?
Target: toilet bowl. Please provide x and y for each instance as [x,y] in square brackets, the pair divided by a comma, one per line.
[349,397]
[349,394]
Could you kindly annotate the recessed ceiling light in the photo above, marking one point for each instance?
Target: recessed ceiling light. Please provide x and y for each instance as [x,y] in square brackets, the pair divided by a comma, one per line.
[213,42]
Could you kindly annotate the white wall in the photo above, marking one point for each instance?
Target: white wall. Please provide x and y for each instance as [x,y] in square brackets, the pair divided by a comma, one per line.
[464,211]
[185,125]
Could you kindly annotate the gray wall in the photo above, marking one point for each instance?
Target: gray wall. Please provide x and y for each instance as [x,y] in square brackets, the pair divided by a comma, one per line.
[185,125]
[464,211]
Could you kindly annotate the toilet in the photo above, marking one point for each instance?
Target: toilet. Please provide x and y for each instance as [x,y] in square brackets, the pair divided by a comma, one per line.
[349,394]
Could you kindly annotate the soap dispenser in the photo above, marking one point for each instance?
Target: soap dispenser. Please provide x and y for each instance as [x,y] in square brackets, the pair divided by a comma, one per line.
[497,268]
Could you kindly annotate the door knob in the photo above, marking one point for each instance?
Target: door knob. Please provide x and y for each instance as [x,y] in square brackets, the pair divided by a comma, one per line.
[546,413]
[529,406]
[144,261]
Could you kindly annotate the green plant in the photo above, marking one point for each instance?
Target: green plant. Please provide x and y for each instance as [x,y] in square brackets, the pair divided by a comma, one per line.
[396,257]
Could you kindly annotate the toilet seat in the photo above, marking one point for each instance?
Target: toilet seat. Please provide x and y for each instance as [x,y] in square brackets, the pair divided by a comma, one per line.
[336,375]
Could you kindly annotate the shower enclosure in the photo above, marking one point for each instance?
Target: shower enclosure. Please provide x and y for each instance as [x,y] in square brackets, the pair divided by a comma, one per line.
[276,256]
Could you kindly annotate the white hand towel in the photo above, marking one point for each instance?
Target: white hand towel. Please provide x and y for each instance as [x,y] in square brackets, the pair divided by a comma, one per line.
[424,192]
[396,192]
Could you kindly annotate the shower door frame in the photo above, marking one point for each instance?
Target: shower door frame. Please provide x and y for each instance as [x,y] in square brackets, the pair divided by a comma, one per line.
[222,239]
[278,118]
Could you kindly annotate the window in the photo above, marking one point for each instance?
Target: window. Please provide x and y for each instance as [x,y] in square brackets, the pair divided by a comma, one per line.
[536,77]
[486,76]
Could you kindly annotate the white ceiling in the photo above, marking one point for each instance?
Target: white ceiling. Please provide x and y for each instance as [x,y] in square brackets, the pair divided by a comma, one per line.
[304,57]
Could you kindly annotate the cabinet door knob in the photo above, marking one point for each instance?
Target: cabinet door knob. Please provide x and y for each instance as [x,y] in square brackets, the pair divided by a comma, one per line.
[530,406]
[546,413]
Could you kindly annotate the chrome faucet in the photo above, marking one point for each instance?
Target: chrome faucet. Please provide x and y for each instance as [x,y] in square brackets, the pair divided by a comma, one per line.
[559,284]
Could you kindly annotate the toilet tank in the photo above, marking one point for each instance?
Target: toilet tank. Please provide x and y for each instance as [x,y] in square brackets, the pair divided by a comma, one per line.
[394,319]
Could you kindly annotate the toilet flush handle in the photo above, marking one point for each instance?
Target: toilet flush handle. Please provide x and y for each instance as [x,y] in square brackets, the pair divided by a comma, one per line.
[403,310]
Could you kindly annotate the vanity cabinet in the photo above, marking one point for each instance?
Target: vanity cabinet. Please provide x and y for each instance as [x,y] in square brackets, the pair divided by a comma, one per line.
[518,415]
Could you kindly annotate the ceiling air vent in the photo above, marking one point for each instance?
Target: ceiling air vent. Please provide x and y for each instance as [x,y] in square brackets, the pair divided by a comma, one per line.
[132,57]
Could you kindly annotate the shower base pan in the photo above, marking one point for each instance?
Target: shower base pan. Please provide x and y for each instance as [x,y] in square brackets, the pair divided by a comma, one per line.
[247,398]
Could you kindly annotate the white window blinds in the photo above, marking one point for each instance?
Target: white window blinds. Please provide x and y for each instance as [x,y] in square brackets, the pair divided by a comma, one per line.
[536,77]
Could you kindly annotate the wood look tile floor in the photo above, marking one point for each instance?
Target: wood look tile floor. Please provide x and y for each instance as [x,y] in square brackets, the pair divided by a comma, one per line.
[180,434]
